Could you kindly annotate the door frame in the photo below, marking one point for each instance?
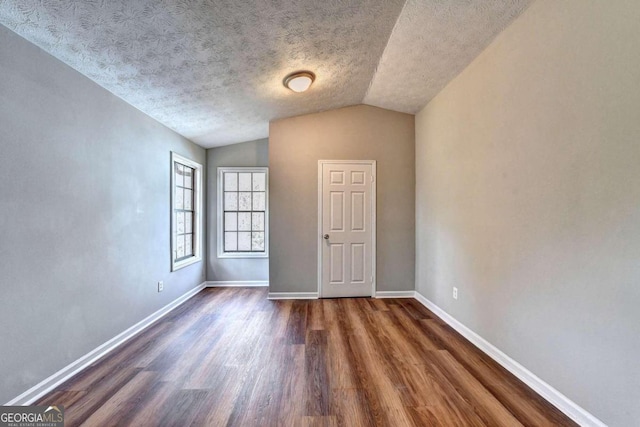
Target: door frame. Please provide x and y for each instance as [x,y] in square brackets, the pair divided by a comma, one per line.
[374,182]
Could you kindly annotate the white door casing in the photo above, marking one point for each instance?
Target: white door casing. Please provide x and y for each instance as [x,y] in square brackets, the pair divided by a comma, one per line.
[346,228]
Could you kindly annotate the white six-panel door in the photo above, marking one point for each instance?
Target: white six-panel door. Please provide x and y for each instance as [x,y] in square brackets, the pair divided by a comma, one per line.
[346,243]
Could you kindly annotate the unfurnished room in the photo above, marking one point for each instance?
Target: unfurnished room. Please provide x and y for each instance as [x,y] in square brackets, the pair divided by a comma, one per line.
[320,213]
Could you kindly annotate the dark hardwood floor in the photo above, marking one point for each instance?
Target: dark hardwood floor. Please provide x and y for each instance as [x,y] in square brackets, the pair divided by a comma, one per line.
[230,357]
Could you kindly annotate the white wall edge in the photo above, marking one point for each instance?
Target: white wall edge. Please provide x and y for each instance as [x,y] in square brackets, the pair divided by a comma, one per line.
[553,396]
[236,283]
[293,295]
[48,384]
[395,294]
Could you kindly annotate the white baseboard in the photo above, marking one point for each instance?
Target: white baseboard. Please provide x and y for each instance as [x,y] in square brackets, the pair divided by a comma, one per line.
[553,396]
[236,283]
[314,295]
[45,386]
[293,295]
[395,294]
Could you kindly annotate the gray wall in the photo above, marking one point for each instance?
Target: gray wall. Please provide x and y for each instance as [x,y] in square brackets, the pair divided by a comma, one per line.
[528,199]
[84,215]
[253,153]
[353,133]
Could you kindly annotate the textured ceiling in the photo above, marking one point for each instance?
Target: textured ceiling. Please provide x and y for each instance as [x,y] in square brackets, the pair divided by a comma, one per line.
[432,42]
[212,70]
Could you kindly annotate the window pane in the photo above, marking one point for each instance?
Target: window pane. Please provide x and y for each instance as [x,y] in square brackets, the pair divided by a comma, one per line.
[243,210]
[230,241]
[257,241]
[180,246]
[244,221]
[179,198]
[230,181]
[230,221]
[188,244]
[230,201]
[180,222]
[244,181]
[188,222]
[179,171]
[188,199]
[244,201]
[244,241]
[188,177]
[259,181]
[257,221]
[258,202]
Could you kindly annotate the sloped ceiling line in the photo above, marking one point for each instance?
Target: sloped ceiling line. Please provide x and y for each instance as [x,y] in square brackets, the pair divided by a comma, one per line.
[431,43]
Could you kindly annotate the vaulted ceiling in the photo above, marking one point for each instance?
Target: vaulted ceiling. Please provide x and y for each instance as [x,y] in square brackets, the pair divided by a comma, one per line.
[212,70]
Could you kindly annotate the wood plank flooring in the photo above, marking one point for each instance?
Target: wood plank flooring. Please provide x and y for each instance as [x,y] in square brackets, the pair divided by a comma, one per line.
[230,357]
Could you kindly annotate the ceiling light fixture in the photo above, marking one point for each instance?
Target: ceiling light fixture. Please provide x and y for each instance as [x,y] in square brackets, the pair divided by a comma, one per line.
[299,81]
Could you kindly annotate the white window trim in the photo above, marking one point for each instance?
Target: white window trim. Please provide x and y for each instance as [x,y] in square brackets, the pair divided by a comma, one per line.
[220,213]
[197,220]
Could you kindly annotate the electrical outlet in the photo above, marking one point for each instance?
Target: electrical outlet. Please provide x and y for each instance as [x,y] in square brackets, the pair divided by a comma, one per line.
[455,293]
[160,286]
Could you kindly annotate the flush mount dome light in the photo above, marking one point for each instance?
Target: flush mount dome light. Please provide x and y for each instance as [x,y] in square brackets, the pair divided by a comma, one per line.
[299,81]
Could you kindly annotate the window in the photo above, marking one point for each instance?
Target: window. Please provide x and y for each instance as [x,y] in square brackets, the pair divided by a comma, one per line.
[186,212]
[243,212]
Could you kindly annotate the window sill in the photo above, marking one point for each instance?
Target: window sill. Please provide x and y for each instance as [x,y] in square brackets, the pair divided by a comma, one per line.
[243,255]
[185,263]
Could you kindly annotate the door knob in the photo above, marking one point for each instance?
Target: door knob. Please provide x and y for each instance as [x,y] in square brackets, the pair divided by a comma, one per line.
[325,237]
